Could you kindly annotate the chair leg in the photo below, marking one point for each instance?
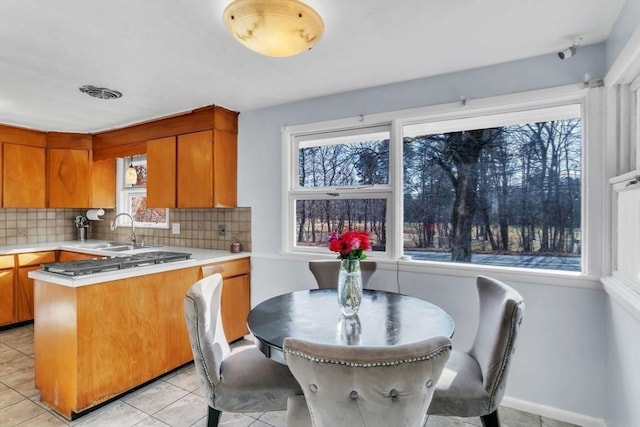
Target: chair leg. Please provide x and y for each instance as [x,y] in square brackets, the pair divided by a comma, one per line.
[490,420]
[213,417]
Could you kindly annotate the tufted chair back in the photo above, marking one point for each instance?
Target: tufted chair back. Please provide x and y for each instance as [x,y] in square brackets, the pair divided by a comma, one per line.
[238,379]
[364,386]
[501,312]
[326,272]
[208,342]
[473,383]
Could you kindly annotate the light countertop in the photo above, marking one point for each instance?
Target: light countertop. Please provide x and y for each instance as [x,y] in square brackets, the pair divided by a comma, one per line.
[198,257]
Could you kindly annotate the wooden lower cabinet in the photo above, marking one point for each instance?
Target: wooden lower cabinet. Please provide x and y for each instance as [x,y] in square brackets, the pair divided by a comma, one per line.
[236,297]
[95,342]
[28,262]
[7,280]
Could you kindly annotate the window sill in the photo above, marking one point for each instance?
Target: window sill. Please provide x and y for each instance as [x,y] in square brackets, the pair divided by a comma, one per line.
[507,274]
[623,295]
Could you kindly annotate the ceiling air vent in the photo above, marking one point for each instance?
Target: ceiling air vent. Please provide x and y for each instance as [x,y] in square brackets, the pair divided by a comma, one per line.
[100,92]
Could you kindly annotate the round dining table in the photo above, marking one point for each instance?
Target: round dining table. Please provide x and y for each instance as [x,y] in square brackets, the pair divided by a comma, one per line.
[384,319]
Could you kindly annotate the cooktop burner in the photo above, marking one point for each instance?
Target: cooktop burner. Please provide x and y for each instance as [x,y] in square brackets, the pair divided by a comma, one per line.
[91,266]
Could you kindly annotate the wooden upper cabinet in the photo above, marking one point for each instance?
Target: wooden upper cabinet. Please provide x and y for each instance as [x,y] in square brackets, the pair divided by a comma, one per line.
[195,170]
[161,173]
[206,170]
[24,176]
[225,168]
[74,179]
[103,183]
[69,178]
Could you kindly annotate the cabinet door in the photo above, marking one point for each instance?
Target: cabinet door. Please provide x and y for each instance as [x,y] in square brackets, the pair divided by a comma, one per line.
[24,299]
[225,165]
[1,174]
[235,303]
[69,178]
[6,296]
[23,176]
[195,170]
[161,173]
[103,183]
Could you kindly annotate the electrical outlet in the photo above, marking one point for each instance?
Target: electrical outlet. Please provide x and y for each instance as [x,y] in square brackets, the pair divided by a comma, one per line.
[222,230]
[175,228]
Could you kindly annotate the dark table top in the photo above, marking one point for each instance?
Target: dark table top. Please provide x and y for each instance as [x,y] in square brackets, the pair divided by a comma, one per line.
[384,319]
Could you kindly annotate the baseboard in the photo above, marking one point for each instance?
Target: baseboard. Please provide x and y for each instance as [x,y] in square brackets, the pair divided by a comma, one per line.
[554,413]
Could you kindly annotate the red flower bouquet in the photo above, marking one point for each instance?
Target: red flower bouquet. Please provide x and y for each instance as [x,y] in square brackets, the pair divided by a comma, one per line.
[350,244]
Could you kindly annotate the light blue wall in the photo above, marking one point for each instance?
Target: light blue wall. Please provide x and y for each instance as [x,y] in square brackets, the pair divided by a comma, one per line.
[626,24]
[622,406]
[560,357]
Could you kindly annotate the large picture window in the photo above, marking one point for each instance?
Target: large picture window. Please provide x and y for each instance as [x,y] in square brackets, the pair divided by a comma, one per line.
[498,188]
[498,195]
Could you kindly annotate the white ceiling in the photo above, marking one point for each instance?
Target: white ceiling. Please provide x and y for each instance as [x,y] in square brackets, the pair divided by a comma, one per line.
[170,56]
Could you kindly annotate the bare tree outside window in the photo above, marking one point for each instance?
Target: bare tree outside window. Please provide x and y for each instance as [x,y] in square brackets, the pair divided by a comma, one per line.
[509,190]
[357,162]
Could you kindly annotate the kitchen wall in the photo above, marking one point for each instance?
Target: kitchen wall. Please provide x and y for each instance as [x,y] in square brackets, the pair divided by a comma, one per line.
[22,226]
[198,229]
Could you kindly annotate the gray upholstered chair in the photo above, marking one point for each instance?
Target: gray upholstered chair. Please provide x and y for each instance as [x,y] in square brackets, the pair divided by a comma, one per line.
[473,383]
[241,379]
[326,272]
[353,386]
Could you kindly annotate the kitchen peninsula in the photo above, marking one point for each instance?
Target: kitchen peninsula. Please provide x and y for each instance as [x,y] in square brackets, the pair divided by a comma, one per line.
[99,335]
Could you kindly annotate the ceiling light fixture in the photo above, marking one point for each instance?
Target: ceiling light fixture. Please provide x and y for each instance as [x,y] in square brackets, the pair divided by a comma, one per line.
[276,28]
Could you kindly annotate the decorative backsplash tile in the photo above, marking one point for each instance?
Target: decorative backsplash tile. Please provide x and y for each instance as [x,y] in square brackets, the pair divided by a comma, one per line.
[199,228]
[22,226]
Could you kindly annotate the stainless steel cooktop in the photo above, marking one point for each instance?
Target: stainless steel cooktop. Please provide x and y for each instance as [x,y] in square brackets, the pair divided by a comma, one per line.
[91,266]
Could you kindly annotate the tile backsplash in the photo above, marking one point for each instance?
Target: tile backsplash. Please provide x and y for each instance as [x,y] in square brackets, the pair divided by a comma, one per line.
[21,226]
[198,227]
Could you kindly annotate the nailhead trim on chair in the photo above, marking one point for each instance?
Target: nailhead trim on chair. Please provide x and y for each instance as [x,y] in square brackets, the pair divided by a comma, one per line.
[434,353]
[507,354]
[199,346]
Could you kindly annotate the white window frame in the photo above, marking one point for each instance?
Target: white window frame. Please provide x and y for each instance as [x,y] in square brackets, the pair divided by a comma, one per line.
[378,191]
[623,163]
[124,193]
[472,111]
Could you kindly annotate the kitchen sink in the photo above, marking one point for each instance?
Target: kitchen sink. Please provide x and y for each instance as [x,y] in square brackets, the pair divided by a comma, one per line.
[113,246]
[121,247]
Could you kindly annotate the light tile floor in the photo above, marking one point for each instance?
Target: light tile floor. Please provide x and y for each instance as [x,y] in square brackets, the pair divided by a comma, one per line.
[174,400]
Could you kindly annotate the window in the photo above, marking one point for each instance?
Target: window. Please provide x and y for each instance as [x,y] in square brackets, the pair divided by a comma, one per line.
[498,186]
[506,193]
[341,183]
[132,198]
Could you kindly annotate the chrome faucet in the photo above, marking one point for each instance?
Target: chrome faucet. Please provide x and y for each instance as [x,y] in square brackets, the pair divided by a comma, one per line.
[114,225]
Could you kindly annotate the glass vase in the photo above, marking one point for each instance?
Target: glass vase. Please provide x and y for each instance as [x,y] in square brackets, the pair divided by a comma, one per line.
[349,286]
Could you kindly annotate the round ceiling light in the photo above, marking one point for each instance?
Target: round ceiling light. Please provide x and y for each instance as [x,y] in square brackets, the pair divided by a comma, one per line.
[100,92]
[276,28]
